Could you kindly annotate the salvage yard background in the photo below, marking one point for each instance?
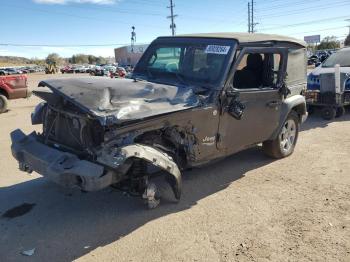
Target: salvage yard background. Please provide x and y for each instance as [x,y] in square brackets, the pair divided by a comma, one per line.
[244,208]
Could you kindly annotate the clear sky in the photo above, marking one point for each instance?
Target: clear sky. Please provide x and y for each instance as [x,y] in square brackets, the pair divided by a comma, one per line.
[64,24]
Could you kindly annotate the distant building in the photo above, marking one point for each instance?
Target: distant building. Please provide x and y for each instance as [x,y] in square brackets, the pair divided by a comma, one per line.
[127,55]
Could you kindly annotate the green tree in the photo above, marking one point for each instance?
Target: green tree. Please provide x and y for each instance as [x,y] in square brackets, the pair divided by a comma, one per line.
[101,60]
[347,40]
[92,59]
[53,58]
[81,59]
[329,42]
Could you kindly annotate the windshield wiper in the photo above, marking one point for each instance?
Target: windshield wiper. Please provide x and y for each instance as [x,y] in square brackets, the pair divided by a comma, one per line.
[181,78]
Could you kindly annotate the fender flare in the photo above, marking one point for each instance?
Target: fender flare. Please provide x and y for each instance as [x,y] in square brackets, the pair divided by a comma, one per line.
[299,103]
[158,159]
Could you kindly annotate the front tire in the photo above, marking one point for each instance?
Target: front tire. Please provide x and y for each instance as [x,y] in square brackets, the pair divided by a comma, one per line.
[3,104]
[283,145]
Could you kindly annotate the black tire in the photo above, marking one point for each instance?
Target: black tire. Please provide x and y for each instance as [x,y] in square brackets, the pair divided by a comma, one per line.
[310,109]
[3,104]
[328,113]
[340,111]
[274,148]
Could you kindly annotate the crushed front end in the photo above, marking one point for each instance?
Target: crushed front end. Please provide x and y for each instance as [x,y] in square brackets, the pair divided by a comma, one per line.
[77,148]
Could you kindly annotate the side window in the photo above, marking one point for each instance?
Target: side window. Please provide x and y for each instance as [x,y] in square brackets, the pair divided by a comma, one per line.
[296,68]
[257,70]
[166,59]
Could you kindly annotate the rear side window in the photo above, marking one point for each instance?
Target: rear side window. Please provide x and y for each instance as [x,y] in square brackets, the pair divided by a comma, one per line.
[296,68]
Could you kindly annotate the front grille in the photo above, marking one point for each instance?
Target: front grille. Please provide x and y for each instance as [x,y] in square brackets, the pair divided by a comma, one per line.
[71,130]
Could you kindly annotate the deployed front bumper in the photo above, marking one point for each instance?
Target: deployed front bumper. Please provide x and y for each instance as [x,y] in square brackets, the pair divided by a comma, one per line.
[63,168]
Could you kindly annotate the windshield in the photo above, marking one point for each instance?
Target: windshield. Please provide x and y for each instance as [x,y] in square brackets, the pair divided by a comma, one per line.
[341,57]
[186,61]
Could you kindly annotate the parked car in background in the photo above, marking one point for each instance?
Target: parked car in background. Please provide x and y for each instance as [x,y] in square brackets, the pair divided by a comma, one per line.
[3,72]
[12,87]
[13,71]
[27,70]
[119,73]
[313,60]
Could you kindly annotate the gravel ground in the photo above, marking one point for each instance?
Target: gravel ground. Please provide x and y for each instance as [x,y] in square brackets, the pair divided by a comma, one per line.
[245,208]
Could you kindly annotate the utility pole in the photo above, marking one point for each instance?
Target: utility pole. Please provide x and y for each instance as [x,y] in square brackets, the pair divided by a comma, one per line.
[172,17]
[348,20]
[251,17]
[133,38]
[249,31]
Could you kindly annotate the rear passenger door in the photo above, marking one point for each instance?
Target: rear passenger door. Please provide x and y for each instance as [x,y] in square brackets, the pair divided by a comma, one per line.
[251,101]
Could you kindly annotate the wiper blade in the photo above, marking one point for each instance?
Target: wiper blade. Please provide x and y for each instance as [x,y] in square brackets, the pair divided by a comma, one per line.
[181,78]
[201,89]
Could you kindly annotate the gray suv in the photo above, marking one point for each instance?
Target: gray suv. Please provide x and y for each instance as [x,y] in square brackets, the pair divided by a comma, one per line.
[192,99]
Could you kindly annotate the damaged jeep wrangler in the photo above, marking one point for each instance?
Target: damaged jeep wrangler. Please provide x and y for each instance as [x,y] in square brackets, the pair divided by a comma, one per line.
[193,99]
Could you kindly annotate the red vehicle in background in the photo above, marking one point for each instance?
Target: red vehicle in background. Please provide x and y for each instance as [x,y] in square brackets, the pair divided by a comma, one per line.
[12,87]
[120,73]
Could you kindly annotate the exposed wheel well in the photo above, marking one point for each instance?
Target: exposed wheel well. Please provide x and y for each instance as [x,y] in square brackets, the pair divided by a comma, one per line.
[3,92]
[162,140]
[300,110]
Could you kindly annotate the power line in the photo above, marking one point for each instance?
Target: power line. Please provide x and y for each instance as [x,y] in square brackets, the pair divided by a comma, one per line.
[321,30]
[76,16]
[308,22]
[298,11]
[301,3]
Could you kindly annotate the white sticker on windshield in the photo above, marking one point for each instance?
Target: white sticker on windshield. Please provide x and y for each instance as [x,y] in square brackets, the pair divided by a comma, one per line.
[217,49]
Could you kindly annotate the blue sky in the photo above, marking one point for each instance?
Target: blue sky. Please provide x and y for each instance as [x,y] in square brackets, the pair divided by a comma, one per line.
[60,24]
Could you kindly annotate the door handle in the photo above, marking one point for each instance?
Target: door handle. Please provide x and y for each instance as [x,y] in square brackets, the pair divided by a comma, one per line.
[274,104]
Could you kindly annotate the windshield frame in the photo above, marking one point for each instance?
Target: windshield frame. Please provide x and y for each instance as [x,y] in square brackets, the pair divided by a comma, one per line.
[141,67]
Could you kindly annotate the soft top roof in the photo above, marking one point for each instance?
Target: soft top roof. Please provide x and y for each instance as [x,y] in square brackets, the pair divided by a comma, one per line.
[248,37]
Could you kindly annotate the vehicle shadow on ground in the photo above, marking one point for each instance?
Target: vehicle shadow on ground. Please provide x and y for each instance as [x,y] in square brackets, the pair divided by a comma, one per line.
[66,224]
[316,121]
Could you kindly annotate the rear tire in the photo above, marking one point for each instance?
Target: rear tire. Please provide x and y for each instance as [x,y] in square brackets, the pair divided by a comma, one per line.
[3,104]
[340,111]
[328,113]
[283,145]
[310,109]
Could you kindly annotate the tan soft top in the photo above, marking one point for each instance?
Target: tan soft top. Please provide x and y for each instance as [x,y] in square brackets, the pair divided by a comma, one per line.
[248,38]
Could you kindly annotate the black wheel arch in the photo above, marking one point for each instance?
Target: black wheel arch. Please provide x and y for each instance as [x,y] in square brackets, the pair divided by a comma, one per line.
[4,93]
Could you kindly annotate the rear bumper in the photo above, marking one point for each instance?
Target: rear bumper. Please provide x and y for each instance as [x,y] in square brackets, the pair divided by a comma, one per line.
[63,168]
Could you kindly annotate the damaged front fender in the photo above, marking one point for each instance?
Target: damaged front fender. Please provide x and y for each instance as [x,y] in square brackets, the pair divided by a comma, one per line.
[118,156]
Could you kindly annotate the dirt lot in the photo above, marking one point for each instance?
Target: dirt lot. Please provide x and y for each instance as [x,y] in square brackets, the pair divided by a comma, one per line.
[244,208]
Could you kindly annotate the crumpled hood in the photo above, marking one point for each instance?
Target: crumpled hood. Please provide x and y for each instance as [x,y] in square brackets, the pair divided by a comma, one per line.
[117,100]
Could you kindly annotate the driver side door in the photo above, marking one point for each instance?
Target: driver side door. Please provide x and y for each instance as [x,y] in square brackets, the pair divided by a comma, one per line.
[251,100]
